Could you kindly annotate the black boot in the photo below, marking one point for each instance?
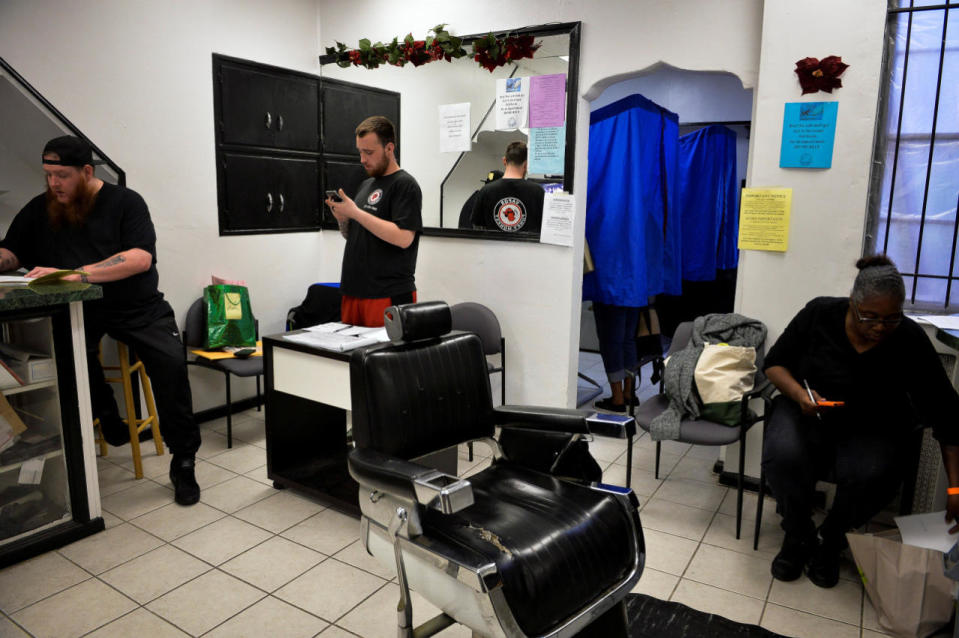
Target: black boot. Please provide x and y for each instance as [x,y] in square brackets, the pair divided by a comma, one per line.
[823,567]
[186,491]
[791,560]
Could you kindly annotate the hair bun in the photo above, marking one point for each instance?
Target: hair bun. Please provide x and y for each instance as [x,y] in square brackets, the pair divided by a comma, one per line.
[873,261]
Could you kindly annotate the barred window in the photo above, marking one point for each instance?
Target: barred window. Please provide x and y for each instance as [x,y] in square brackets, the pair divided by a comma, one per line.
[916,176]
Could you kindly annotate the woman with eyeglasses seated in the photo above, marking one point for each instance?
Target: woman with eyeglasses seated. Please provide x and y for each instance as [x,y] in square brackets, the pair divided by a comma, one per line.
[856,378]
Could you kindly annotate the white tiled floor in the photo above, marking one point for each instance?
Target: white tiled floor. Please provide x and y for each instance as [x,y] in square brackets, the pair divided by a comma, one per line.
[253,561]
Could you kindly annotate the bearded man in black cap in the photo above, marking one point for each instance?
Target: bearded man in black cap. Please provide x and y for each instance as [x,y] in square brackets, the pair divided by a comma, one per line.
[82,223]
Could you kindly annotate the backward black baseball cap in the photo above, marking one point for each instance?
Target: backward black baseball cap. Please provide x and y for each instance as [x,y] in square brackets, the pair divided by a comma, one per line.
[71,150]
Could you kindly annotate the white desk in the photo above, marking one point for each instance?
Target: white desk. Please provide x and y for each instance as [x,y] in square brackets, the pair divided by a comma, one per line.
[308,409]
[307,401]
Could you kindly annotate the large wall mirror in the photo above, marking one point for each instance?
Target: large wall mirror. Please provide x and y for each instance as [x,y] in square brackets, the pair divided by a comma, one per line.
[448,179]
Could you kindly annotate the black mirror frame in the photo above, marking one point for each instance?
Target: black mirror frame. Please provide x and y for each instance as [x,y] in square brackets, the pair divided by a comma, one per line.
[572,29]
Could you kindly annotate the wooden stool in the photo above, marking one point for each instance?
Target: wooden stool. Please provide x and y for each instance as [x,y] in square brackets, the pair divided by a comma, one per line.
[124,372]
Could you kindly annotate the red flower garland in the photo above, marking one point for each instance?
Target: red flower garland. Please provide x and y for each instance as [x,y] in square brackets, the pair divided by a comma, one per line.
[489,51]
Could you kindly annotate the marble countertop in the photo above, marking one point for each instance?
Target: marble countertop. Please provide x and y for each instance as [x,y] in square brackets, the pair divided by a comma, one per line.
[21,297]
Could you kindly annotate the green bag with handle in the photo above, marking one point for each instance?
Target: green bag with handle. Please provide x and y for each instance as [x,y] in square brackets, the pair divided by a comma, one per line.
[229,319]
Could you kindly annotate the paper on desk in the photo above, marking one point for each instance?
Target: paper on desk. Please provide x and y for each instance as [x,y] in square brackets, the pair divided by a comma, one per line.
[336,341]
[930,531]
[945,322]
[14,280]
[332,326]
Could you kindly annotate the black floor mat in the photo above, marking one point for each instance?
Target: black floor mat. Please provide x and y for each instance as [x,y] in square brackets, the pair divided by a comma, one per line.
[653,618]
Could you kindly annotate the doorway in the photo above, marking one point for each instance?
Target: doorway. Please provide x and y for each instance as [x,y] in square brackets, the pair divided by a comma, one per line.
[699,100]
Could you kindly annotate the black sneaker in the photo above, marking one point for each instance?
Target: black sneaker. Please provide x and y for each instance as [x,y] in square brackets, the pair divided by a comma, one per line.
[186,491]
[791,559]
[608,405]
[823,567]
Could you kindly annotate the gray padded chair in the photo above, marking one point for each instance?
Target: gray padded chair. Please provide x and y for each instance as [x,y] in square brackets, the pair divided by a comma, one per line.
[194,336]
[473,317]
[702,432]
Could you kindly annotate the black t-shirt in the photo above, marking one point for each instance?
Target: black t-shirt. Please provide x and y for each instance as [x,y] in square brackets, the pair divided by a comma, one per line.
[510,205]
[373,268]
[892,385]
[118,221]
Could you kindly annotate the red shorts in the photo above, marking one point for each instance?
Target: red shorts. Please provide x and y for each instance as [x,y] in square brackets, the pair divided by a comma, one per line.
[369,312]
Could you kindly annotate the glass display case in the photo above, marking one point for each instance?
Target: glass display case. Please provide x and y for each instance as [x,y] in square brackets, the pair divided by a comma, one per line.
[48,489]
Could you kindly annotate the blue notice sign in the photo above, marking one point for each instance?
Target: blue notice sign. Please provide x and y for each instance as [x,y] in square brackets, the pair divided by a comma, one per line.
[809,130]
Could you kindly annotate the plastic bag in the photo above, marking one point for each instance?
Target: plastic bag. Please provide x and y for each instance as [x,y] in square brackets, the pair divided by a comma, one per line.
[229,319]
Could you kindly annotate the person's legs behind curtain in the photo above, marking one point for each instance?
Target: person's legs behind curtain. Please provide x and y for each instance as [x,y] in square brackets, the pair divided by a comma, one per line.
[613,324]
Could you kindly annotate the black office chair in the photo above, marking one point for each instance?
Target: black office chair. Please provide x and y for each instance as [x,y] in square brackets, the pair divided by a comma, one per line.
[704,432]
[470,316]
[511,551]
[194,336]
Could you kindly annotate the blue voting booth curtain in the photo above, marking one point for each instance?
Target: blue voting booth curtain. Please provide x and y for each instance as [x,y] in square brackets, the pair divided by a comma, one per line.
[707,204]
[631,225]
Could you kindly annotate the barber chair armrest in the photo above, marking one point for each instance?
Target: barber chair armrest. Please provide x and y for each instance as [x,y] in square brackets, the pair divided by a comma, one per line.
[410,481]
[531,417]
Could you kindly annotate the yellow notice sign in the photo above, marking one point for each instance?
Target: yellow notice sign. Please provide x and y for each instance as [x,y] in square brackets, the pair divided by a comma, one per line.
[764,219]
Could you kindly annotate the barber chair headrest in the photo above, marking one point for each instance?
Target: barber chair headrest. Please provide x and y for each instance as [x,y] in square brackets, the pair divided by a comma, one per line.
[414,321]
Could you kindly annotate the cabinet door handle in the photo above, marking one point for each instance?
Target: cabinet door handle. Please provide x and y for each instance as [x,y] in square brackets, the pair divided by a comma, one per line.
[279,122]
[282,202]
[269,202]
[268,120]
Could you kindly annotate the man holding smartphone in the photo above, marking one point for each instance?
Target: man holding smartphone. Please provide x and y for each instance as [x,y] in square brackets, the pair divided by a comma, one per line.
[381,227]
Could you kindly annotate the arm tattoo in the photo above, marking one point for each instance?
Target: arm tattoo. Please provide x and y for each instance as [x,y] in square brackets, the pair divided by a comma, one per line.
[112,261]
[344,227]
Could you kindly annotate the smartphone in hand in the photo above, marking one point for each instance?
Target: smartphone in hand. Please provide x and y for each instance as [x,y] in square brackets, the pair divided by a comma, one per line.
[335,196]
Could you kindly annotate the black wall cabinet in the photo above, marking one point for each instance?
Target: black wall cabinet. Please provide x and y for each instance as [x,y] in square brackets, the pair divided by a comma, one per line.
[282,137]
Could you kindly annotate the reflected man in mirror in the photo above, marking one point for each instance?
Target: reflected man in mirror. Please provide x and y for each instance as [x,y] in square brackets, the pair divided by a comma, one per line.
[511,204]
[105,231]
[381,226]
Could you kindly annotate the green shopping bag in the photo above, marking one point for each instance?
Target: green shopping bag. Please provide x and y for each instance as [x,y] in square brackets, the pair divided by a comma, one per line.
[229,319]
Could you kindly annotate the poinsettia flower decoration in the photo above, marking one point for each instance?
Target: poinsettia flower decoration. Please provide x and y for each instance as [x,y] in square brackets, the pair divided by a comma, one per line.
[820,75]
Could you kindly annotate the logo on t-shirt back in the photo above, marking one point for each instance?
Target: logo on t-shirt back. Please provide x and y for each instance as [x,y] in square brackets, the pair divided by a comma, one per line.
[509,214]
[374,196]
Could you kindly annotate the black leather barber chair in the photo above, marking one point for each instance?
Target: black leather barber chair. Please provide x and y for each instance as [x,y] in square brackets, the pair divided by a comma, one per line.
[513,550]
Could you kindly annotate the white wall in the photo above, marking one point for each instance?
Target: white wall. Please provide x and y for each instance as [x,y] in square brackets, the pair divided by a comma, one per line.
[828,206]
[696,96]
[136,77]
[535,290]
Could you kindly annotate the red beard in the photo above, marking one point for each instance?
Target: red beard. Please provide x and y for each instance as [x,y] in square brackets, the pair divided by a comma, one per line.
[74,213]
